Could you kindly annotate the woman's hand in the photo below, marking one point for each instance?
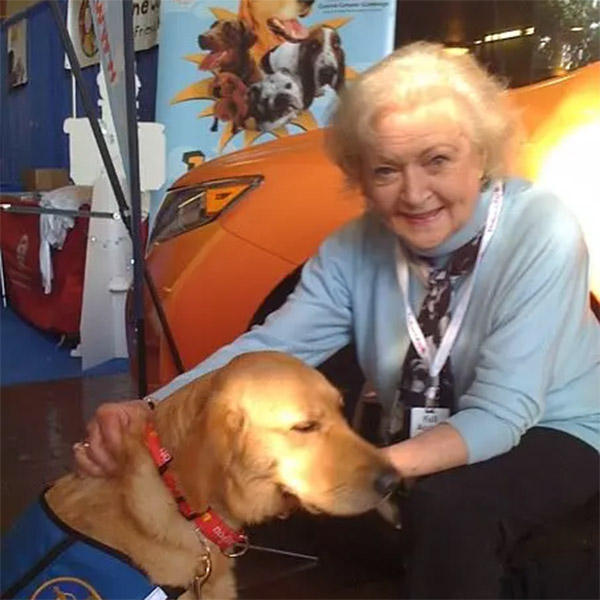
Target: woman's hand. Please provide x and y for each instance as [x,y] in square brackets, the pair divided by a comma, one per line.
[98,455]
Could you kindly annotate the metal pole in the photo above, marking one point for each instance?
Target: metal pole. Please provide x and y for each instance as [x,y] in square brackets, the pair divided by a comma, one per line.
[135,195]
[110,171]
[65,212]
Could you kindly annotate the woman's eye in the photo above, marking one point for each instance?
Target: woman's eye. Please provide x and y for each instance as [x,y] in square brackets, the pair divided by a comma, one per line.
[383,172]
[306,426]
[438,160]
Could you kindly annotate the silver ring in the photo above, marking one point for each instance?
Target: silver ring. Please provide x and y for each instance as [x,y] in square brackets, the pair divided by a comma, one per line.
[81,445]
[238,549]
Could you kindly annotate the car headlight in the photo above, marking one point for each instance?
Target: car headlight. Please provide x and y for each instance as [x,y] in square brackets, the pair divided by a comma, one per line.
[186,208]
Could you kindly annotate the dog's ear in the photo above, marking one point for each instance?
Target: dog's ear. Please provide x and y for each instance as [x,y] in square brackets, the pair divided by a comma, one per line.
[214,443]
[265,63]
[306,71]
[248,36]
[253,99]
[341,76]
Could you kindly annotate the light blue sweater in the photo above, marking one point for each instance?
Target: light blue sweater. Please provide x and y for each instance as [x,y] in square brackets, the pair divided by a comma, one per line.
[528,351]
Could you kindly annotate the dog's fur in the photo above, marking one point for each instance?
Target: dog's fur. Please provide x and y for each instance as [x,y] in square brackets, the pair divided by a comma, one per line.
[317,61]
[274,101]
[246,439]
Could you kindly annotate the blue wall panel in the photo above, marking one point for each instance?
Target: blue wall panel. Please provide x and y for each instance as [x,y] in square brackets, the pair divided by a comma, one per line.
[32,115]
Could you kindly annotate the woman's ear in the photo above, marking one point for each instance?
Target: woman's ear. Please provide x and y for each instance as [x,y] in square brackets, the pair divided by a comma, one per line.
[480,159]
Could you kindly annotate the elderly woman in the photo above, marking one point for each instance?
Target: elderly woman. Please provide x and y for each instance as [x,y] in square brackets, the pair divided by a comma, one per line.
[466,294]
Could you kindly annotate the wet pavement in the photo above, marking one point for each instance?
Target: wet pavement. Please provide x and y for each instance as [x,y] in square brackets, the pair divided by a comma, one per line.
[341,558]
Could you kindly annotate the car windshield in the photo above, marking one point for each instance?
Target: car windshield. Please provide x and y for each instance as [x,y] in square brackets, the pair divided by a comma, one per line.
[523,41]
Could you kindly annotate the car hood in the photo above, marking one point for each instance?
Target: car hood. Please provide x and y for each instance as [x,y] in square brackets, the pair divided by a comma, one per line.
[251,160]
[302,197]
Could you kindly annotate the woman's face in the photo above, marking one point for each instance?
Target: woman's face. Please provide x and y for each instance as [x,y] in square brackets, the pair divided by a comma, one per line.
[422,176]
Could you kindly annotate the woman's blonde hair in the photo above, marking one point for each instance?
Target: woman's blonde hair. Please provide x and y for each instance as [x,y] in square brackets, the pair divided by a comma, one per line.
[420,76]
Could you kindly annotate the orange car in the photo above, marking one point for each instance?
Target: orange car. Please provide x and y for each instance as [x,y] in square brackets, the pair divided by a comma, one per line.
[232,234]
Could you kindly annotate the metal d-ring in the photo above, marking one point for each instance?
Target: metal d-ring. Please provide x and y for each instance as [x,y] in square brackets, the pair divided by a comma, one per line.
[238,549]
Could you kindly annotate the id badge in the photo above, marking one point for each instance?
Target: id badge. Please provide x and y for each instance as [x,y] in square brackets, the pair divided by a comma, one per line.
[424,418]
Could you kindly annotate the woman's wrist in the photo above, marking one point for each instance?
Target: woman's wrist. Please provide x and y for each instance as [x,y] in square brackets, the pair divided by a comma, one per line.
[436,449]
[399,457]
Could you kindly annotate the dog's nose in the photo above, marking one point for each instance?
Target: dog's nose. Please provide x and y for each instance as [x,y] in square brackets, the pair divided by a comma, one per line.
[281,101]
[202,42]
[326,75]
[387,481]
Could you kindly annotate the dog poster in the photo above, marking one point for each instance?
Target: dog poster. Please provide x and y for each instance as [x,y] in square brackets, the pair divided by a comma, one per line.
[17,53]
[235,73]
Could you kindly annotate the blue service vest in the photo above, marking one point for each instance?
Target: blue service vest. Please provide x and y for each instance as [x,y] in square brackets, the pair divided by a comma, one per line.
[44,558]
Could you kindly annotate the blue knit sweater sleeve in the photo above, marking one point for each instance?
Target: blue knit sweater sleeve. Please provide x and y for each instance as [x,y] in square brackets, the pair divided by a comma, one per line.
[542,284]
[314,322]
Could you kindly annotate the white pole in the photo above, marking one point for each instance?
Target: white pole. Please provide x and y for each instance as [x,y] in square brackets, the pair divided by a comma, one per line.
[73,96]
[2,282]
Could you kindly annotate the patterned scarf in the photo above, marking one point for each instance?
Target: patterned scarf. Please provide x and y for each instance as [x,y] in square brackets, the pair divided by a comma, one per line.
[433,319]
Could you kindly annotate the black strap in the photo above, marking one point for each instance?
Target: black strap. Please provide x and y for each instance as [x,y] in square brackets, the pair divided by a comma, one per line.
[172,592]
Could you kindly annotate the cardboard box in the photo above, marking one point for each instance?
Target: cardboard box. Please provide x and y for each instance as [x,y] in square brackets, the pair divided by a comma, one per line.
[44,179]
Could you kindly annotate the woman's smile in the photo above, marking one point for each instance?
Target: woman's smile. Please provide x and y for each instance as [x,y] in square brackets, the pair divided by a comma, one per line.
[424,218]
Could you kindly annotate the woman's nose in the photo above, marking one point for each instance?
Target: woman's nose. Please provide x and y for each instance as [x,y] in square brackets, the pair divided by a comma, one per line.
[414,190]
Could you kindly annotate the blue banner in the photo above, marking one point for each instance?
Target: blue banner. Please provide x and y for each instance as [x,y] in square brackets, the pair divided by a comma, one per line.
[234,73]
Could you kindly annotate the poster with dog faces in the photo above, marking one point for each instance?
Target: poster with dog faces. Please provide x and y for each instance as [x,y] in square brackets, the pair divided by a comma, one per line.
[235,73]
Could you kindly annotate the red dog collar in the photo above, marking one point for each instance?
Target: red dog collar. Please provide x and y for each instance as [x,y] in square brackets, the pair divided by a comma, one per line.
[208,523]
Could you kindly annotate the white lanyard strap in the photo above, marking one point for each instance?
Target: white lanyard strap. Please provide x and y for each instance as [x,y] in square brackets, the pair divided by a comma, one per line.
[425,351]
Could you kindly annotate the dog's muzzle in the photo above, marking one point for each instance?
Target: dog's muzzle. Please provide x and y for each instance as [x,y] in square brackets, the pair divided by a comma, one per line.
[282,102]
[204,42]
[327,75]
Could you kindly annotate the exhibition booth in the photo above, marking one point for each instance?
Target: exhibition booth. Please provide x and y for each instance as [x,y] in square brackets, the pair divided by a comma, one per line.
[164,181]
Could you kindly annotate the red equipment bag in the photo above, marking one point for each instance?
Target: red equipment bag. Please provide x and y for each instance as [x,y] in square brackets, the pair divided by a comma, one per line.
[60,310]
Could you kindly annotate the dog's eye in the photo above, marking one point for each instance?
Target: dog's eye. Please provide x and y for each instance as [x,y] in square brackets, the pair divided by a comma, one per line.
[306,426]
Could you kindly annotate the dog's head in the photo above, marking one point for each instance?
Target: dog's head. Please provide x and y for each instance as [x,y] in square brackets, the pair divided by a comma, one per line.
[322,56]
[275,100]
[281,16]
[224,39]
[271,435]
[226,85]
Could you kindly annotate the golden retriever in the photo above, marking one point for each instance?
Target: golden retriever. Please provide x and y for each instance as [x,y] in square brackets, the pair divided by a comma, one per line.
[274,22]
[249,440]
